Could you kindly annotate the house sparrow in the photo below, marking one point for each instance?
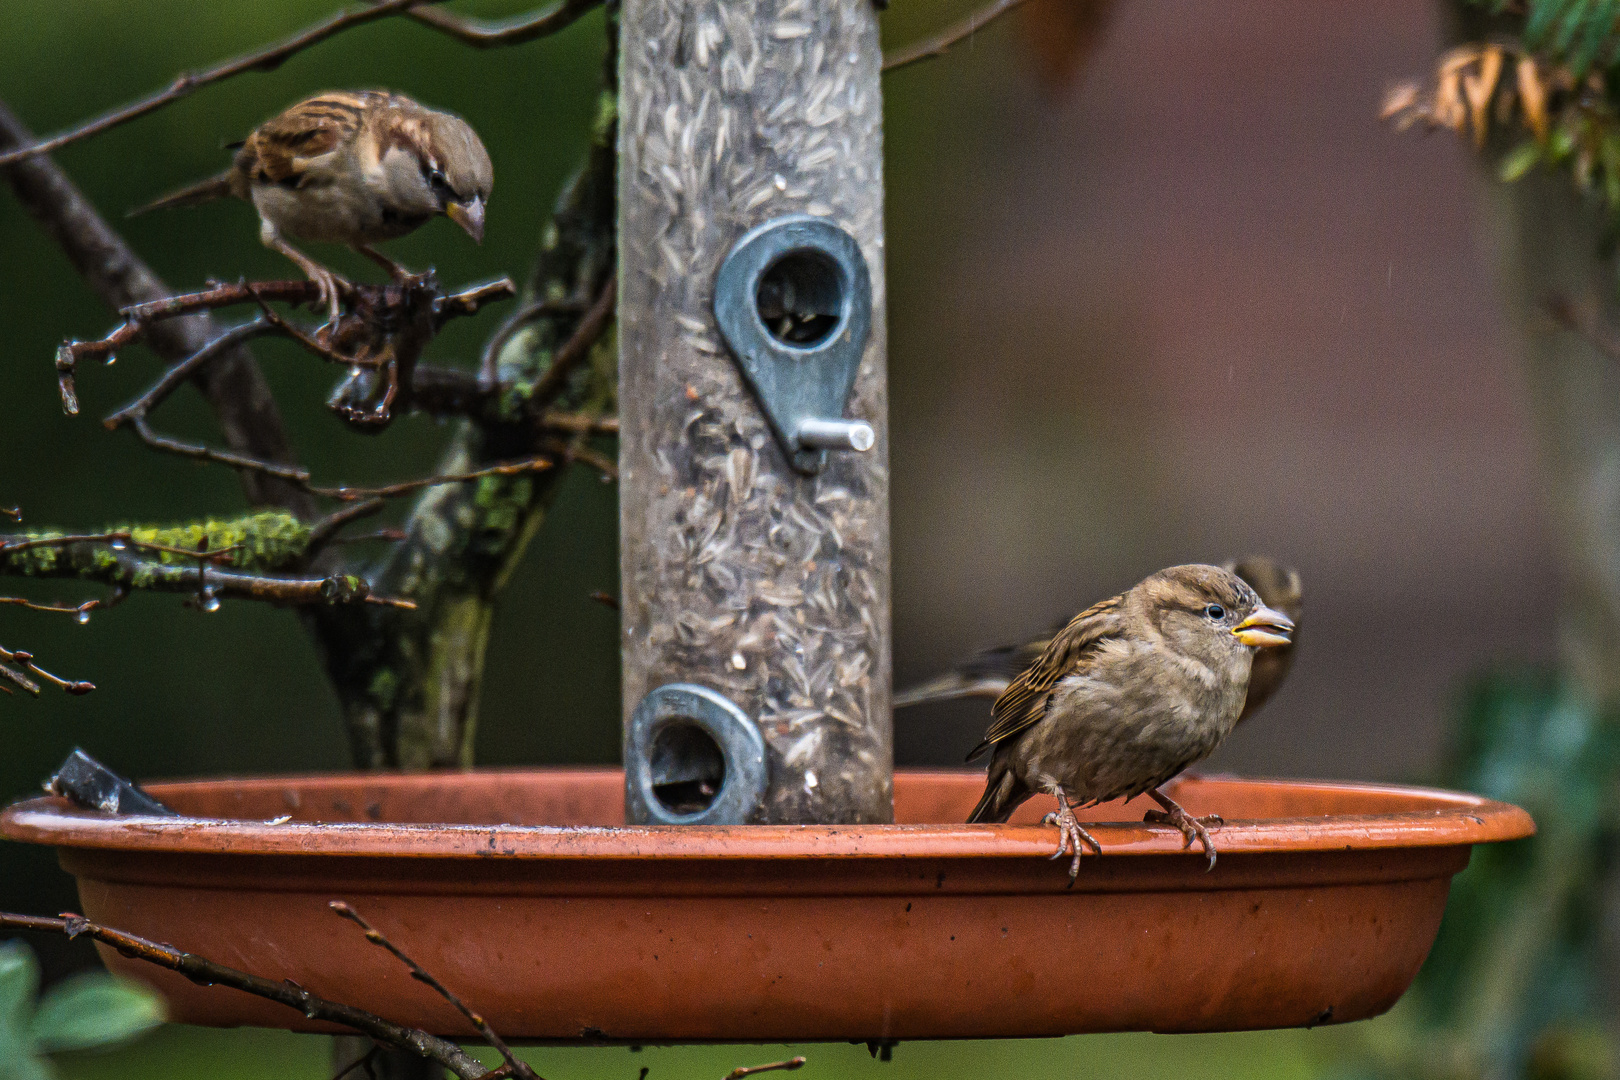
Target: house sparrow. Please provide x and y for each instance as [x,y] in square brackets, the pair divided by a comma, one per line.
[1126,696]
[354,168]
[987,674]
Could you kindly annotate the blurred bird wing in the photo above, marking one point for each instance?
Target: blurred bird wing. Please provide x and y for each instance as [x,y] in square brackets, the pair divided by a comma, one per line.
[984,674]
[1024,701]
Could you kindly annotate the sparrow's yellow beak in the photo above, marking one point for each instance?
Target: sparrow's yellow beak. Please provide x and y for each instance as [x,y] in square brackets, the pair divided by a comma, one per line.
[470,216]
[1263,627]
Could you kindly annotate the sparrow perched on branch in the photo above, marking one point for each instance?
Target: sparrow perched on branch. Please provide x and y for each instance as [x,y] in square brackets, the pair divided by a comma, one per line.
[354,168]
[1125,697]
[987,674]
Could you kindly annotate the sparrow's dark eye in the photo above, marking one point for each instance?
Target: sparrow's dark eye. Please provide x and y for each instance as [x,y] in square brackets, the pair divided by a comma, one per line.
[440,186]
[1215,611]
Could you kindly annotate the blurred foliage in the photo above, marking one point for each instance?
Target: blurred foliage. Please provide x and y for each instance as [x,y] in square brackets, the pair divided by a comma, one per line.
[91,1010]
[1512,987]
[1538,81]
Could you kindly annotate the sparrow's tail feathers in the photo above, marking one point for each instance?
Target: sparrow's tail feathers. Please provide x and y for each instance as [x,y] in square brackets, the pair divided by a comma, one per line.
[215,187]
[951,685]
[1003,793]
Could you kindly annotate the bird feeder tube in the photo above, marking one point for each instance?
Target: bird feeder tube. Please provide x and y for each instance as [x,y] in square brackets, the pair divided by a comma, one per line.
[525,892]
[753,413]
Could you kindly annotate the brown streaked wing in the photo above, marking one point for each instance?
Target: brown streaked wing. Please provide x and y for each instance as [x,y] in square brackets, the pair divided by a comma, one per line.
[308,129]
[1025,699]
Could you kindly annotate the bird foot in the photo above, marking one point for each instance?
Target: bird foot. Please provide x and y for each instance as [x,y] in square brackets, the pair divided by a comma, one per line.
[332,289]
[1070,836]
[1191,828]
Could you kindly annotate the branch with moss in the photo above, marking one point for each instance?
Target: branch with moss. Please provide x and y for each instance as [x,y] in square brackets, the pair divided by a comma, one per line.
[409,682]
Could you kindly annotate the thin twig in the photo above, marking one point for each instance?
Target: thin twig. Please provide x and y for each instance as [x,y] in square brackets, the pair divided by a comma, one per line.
[324,531]
[178,373]
[291,473]
[218,296]
[14,513]
[310,342]
[18,679]
[539,309]
[592,325]
[365,1060]
[421,975]
[485,33]
[187,82]
[573,451]
[233,386]
[26,661]
[512,468]
[942,41]
[80,611]
[206,972]
[578,423]
[385,536]
[468,301]
[776,1066]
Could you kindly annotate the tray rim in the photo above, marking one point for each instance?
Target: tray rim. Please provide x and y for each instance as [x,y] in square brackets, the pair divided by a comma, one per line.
[1450,819]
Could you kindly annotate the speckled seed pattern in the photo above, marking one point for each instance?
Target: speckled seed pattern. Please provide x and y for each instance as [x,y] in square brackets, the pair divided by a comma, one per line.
[738,573]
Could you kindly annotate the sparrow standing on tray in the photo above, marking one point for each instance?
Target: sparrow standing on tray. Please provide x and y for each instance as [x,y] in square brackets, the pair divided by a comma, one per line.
[354,168]
[1129,694]
[987,674]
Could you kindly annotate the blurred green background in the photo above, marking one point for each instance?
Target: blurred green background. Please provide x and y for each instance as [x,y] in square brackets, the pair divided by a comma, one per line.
[1182,301]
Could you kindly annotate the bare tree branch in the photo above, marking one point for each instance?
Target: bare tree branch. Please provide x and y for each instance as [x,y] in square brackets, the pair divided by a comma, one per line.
[206,972]
[578,423]
[421,975]
[485,33]
[233,385]
[291,474]
[25,660]
[513,468]
[185,369]
[525,315]
[90,560]
[187,82]
[776,1066]
[942,41]
[576,450]
[577,349]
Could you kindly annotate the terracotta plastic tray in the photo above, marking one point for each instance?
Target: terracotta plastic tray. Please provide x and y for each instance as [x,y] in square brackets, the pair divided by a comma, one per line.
[557,925]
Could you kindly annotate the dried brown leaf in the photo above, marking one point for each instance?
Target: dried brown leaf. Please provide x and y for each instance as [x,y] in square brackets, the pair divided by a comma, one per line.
[1532,96]
[1479,88]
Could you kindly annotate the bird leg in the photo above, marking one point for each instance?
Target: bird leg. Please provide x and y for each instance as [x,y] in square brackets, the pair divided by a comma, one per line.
[1192,828]
[1070,834]
[395,271]
[331,286]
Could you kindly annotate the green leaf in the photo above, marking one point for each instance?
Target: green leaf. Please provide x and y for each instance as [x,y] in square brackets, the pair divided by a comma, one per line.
[94,1009]
[19,981]
[23,1065]
[1571,23]
[1543,14]
[1599,28]
[1520,160]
